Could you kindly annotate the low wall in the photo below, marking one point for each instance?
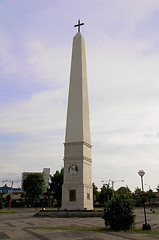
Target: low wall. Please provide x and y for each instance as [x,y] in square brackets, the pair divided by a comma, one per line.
[69,213]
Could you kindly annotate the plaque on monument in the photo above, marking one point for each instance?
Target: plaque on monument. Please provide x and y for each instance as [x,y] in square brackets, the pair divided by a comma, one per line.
[72,195]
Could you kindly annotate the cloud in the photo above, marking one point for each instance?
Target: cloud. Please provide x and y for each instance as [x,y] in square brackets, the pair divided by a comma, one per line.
[123,88]
[50,64]
[120,86]
[8,63]
[41,63]
[42,112]
[31,133]
[122,63]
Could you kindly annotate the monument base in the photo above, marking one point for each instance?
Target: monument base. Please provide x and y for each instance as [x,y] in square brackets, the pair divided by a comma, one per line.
[69,213]
[81,199]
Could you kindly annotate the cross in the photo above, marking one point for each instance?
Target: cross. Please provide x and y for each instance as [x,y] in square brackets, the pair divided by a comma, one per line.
[78,25]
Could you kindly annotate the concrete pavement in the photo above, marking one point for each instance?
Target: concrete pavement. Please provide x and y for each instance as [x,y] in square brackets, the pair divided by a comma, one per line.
[15,226]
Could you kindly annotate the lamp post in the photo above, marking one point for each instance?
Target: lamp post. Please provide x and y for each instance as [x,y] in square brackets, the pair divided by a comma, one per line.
[145,226]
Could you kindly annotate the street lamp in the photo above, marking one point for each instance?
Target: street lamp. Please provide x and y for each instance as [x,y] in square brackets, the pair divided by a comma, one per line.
[145,226]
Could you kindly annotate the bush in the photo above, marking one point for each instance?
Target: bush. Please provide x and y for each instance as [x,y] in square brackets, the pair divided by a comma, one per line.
[1,204]
[119,213]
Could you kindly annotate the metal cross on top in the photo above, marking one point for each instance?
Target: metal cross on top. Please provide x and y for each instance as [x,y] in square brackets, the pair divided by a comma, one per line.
[78,25]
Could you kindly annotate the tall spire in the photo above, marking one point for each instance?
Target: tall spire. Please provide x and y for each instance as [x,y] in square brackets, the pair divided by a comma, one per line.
[77,127]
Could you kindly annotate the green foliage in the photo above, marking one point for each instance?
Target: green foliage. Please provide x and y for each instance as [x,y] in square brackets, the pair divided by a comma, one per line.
[137,197]
[137,191]
[95,193]
[150,194]
[123,190]
[141,197]
[6,200]
[33,185]
[105,193]
[56,186]
[1,204]
[119,213]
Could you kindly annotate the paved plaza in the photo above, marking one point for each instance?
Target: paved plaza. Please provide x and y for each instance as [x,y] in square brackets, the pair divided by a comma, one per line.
[15,226]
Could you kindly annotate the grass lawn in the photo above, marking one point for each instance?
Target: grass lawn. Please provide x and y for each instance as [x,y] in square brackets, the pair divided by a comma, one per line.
[7,211]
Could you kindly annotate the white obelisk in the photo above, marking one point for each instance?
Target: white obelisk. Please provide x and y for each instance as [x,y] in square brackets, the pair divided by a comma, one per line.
[77,190]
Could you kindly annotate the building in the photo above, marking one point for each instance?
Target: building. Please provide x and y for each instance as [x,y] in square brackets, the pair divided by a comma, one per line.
[6,189]
[45,173]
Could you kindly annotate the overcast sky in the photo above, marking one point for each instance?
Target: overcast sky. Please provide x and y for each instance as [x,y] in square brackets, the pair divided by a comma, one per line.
[122,52]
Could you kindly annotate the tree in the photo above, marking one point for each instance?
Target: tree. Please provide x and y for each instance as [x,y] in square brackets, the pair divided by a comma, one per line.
[137,196]
[105,193]
[33,185]
[137,191]
[150,195]
[123,190]
[56,186]
[119,213]
[1,203]
[157,188]
[95,193]
[141,197]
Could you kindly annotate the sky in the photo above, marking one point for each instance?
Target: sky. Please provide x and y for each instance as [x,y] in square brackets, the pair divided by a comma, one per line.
[122,53]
